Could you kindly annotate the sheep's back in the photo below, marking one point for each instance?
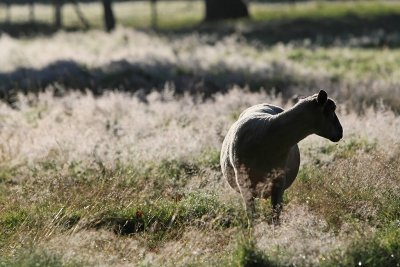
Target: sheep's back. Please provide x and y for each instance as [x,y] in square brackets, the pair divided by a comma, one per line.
[261,109]
[253,126]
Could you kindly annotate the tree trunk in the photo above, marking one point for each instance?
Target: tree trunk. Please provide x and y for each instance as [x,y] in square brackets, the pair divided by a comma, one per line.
[32,11]
[8,12]
[109,19]
[80,15]
[225,9]
[58,13]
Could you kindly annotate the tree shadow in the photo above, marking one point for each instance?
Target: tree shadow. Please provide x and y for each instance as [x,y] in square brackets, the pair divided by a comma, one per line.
[140,79]
[29,29]
[145,77]
[348,30]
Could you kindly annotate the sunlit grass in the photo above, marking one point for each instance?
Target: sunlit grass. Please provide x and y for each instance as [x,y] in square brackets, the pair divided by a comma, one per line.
[350,63]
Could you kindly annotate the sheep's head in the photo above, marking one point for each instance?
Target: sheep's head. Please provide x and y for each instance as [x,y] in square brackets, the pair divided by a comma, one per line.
[327,122]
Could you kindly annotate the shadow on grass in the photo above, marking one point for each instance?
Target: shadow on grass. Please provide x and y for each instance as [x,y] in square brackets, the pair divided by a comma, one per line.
[28,29]
[143,77]
[347,30]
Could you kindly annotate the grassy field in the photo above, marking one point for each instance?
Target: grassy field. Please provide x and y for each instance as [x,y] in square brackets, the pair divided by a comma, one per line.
[114,181]
[109,143]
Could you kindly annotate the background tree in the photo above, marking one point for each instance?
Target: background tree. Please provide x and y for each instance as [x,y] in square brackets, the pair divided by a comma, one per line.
[58,13]
[109,19]
[32,11]
[225,9]
[80,15]
[8,11]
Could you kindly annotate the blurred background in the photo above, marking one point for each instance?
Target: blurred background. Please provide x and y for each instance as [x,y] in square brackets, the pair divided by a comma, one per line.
[201,47]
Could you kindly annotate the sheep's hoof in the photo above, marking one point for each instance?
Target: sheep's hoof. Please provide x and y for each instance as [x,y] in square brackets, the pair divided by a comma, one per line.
[275,220]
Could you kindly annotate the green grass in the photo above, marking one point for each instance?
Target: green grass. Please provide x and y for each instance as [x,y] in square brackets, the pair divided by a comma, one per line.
[349,64]
[349,148]
[10,222]
[165,219]
[12,219]
[322,9]
[150,201]
[7,173]
[246,254]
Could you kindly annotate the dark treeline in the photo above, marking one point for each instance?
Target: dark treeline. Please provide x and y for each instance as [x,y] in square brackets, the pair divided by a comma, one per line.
[215,10]
[21,2]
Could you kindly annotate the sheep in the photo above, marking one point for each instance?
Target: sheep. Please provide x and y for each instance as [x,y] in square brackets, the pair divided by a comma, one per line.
[260,156]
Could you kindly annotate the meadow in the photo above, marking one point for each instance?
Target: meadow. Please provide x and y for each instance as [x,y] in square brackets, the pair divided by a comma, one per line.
[109,143]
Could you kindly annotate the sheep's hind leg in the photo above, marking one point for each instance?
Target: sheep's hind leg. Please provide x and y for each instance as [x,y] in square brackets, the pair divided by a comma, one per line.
[244,183]
[276,201]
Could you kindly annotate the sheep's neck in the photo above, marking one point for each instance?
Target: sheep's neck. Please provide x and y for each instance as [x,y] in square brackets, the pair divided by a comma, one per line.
[291,126]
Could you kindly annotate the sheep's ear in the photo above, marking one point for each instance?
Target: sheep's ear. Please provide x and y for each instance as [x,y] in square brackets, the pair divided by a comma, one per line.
[322,97]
